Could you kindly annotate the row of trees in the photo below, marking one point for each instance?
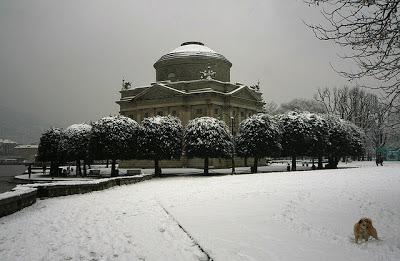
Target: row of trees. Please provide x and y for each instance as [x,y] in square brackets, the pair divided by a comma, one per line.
[295,134]
[365,109]
[158,138]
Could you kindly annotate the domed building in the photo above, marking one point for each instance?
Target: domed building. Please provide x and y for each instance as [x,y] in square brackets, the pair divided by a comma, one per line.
[191,81]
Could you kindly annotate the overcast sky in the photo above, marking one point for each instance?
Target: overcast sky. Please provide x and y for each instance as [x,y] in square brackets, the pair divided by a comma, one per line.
[62,62]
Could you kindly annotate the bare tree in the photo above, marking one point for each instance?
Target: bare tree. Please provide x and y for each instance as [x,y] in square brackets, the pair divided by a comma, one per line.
[371,29]
[300,104]
[363,109]
[270,108]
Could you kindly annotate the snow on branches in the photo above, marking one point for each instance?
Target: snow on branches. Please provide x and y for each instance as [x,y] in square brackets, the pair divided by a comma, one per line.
[113,138]
[48,148]
[258,136]
[74,142]
[48,145]
[161,137]
[207,137]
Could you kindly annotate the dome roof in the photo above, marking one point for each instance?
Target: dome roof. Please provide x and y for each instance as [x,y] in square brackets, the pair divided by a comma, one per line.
[192,50]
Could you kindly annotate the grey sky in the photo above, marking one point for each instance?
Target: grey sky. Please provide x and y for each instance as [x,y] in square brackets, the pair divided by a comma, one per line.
[61,62]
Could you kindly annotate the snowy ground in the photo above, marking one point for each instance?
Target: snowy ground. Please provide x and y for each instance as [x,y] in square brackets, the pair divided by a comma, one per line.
[275,216]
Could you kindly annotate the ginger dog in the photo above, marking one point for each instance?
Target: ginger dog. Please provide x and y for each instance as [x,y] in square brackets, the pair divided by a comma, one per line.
[363,229]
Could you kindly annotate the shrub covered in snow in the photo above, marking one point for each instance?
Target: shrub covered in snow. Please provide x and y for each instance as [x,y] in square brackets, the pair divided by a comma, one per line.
[48,148]
[74,144]
[113,138]
[259,136]
[207,137]
[161,139]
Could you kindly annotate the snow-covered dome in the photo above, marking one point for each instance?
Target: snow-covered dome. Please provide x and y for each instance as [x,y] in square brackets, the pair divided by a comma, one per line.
[187,55]
[193,47]
[191,50]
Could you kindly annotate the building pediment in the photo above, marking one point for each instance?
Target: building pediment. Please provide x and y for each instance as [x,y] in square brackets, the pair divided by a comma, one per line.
[244,92]
[158,91]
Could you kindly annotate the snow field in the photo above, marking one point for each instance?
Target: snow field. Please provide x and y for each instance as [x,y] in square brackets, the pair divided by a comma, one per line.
[273,216]
[113,225]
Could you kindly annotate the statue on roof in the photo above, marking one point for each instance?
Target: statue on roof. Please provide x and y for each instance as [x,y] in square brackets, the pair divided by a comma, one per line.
[126,85]
[207,74]
[256,86]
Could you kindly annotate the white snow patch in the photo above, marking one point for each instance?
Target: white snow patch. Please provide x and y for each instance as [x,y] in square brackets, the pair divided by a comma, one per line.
[306,215]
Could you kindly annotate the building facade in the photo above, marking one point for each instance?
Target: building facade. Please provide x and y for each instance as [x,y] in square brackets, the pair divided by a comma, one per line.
[7,147]
[192,81]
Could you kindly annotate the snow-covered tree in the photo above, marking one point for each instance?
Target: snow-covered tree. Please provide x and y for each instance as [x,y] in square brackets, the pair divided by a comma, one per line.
[319,142]
[297,134]
[48,149]
[356,140]
[345,139]
[161,139]
[113,138]
[207,137]
[74,145]
[302,105]
[259,136]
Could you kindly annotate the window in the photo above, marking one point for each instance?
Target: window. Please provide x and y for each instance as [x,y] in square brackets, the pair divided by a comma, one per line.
[242,114]
[199,111]
[216,111]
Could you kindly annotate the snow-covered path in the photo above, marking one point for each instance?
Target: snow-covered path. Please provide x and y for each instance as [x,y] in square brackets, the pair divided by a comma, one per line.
[274,216]
[116,224]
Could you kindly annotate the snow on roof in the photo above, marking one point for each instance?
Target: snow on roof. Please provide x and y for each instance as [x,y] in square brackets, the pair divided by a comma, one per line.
[192,50]
[27,146]
[6,141]
[192,47]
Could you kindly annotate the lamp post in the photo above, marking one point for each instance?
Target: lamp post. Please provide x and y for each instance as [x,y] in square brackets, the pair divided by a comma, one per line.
[233,149]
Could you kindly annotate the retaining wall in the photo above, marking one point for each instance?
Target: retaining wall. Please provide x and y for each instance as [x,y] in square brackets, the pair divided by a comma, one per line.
[25,195]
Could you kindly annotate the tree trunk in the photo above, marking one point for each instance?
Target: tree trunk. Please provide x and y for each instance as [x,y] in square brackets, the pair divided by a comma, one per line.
[53,168]
[255,165]
[157,169]
[293,163]
[78,168]
[84,168]
[206,166]
[333,162]
[336,162]
[107,164]
[320,166]
[113,170]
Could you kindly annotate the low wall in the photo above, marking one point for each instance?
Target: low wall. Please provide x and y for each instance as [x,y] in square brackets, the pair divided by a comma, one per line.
[65,188]
[189,163]
[13,201]
[25,195]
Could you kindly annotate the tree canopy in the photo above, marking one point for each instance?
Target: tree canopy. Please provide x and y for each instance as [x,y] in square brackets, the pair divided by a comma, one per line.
[207,137]
[161,139]
[259,136]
